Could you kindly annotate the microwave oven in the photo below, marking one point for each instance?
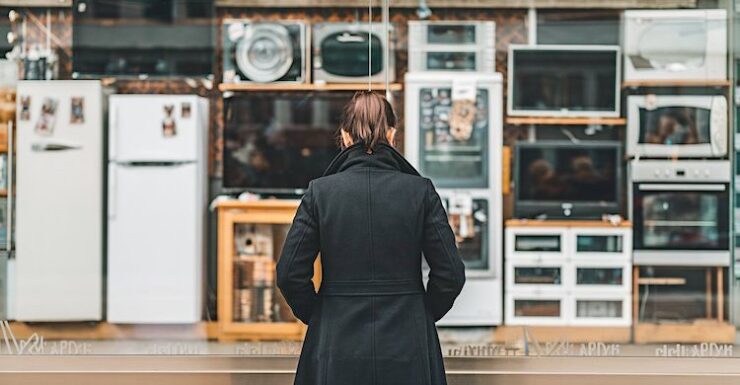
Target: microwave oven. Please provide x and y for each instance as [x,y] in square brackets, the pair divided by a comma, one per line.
[452,46]
[340,53]
[675,45]
[680,212]
[264,52]
[677,126]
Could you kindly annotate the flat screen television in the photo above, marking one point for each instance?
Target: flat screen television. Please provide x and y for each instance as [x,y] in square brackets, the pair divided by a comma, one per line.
[143,38]
[278,142]
[564,80]
[562,179]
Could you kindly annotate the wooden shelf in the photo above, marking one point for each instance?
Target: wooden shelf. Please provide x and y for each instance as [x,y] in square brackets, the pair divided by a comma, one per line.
[563,223]
[548,120]
[676,83]
[306,87]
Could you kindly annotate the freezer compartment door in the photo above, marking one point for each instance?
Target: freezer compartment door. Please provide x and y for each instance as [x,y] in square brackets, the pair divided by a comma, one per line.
[155,249]
[59,202]
[155,128]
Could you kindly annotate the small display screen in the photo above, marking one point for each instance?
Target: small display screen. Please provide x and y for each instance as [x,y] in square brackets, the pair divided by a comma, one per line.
[567,174]
[451,34]
[572,80]
[674,125]
[451,61]
[280,141]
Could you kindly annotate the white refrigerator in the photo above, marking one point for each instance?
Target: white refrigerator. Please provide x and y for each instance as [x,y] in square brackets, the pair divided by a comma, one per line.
[156,208]
[58,267]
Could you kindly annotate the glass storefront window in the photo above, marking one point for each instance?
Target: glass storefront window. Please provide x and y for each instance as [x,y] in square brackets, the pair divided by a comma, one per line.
[153,156]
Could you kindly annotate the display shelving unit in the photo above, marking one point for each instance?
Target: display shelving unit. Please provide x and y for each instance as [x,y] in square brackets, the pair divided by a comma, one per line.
[569,274]
[261,314]
[279,87]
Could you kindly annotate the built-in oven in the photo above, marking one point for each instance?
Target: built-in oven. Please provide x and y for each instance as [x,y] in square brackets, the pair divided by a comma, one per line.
[680,212]
[453,128]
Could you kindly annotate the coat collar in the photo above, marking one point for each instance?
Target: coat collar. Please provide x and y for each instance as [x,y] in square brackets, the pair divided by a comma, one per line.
[384,157]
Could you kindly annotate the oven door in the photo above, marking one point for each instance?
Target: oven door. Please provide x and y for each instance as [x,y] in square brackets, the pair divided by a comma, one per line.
[452,158]
[681,224]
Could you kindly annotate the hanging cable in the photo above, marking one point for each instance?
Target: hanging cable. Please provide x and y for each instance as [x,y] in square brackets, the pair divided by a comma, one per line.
[387,53]
[369,45]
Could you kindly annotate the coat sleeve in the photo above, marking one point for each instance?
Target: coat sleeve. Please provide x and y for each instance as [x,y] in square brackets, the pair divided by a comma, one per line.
[295,266]
[447,271]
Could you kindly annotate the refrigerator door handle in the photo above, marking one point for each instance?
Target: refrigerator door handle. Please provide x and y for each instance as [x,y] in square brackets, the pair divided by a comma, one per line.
[9,213]
[113,140]
[112,195]
[42,147]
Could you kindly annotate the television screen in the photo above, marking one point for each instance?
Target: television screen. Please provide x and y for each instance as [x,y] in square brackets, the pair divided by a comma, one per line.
[582,176]
[135,38]
[564,80]
[279,141]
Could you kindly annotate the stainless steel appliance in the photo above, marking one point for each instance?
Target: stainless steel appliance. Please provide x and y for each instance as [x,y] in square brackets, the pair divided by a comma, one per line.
[680,212]
[340,52]
[263,52]
[677,126]
[452,46]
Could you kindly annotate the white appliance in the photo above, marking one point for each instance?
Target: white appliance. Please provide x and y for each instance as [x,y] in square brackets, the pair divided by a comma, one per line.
[58,269]
[452,46]
[686,44]
[463,159]
[677,125]
[156,208]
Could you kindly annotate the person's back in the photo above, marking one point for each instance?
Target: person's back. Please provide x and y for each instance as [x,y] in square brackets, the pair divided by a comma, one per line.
[371,217]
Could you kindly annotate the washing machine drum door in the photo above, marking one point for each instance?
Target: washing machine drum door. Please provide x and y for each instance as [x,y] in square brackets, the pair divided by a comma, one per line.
[265,53]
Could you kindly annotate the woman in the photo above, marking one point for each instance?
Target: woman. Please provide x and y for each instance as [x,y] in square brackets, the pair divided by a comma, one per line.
[370,216]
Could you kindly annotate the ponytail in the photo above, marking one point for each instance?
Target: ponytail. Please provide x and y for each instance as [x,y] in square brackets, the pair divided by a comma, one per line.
[367,119]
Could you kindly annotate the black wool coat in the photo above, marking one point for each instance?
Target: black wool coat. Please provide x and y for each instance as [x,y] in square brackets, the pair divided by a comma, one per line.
[371,216]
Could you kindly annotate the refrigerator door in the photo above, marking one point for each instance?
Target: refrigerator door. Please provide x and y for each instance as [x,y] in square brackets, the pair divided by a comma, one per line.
[59,208]
[155,243]
[154,128]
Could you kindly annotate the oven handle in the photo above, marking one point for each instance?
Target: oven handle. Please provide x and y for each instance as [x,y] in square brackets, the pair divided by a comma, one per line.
[681,187]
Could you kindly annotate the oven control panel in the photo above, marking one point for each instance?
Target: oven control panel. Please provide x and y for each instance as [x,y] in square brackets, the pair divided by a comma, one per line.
[680,171]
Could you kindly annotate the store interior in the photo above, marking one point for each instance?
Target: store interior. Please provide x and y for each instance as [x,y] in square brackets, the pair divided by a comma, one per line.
[153,155]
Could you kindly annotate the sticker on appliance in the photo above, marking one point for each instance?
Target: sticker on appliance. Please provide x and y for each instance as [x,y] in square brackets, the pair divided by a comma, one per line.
[45,124]
[185,110]
[169,128]
[25,113]
[77,111]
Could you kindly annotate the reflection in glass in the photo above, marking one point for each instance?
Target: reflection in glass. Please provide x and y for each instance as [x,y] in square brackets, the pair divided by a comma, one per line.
[599,243]
[279,141]
[471,231]
[536,308]
[674,125]
[599,276]
[537,275]
[458,61]
[256,298]
[546,243]
[680,220]
[454,136]
[598,309]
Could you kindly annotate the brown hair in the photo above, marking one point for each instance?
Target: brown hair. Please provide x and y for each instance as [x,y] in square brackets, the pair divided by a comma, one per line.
[367,119]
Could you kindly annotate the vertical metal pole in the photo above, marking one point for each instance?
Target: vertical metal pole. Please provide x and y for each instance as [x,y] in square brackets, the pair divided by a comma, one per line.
[369,44]
[386,55]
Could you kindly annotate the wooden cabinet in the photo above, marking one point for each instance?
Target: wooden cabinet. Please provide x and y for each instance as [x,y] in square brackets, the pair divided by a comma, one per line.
[250,240]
